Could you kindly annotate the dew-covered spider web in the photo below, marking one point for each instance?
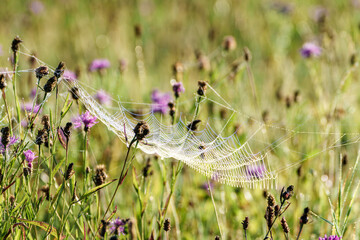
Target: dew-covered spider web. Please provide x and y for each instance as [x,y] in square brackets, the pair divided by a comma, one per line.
[226,159]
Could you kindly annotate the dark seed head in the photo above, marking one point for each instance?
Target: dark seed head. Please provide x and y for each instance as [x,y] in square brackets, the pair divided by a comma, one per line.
[167,225]
[104,224]
[26,171]
[100,175]
[46,191]
[146,169]
[15,45]
[141,130]
[193,125]
[229,43]
[5,136]
[245,223]
[69,171]
[67,130]
[202,88]
[40,137]
[304,219]
[247,54]
[137,30]
[277,210]
[271,200]
[74,93]
[59,70]
[50,84]
[217,237]
[2,81]
[45,120]
[269,215]
[287,194]
[284,225]
[12,200]
[41,72]
[171,106]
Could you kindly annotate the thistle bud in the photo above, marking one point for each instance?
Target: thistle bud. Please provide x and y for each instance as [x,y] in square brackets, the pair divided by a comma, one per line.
[69,171]
[229,43]
[5,136]
[41,71]
[245,223]
[304,219]
[15,45]
[104,224]
[141,130]
[40,137]
[284,225]
[45,120]
[2,81]
[74,93]
[202,88]
[271,200]
[59,70]
[193,125]
[100,175]
[50,84]
[167,225]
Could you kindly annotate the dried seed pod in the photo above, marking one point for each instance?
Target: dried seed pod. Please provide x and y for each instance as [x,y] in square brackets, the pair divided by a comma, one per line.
[304,219]
[59,70]
[271,200]
[40,137]
[50,84]
[284,225]
[74,93]
[15,45]
[100,175]
[229,43]
[2,82]
[5,136]
[104,225]
[193,125]
[69,171]
[141,130]
[247,54]
[46,191]
[167,225]
[202,88]
[41,71]
[245,223]
[45,120]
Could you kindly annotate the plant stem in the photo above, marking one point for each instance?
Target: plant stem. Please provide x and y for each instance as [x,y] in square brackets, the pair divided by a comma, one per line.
[301,227]
[213,202]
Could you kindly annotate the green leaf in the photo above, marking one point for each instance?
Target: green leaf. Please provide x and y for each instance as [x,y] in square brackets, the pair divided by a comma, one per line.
[44,226]
[57,167]
[66,106]
[93,190]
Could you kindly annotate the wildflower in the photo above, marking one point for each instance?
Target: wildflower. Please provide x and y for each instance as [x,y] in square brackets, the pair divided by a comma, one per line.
[100,175]
[103,97]
[69,76]
[36,7]
[99,64]
[255,171]
[160,101]
[333,237]
[310,50]
[30,108]
[141,130]
[167,225]
[178,88]
[85,119]
[29,158]
[229,43]
[117,226]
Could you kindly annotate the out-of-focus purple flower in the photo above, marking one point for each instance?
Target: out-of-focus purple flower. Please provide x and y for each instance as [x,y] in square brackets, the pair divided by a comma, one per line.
[99,64]
[117,226]
[256,171]
[333,237]
[160,101]
[13,140]
[29,157]
[85,119]
[206,186]
[69,75]
[33,93]
[28,107]
[36,7]
[178,88]
[310,49]
[103,97]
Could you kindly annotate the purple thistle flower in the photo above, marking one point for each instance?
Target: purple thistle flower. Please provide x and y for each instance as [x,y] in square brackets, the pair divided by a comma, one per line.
[87,119]
[29,157]
[310,50]
[28,107]
[103,97]
[69,75]
[255,171]
[160,101]
[99,64]
[13,140]
[33,93]
[117,226]
[177,88]
[334,237]
[36,7]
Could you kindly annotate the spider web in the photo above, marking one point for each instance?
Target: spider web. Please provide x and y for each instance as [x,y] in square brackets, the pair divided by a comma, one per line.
[224,159]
